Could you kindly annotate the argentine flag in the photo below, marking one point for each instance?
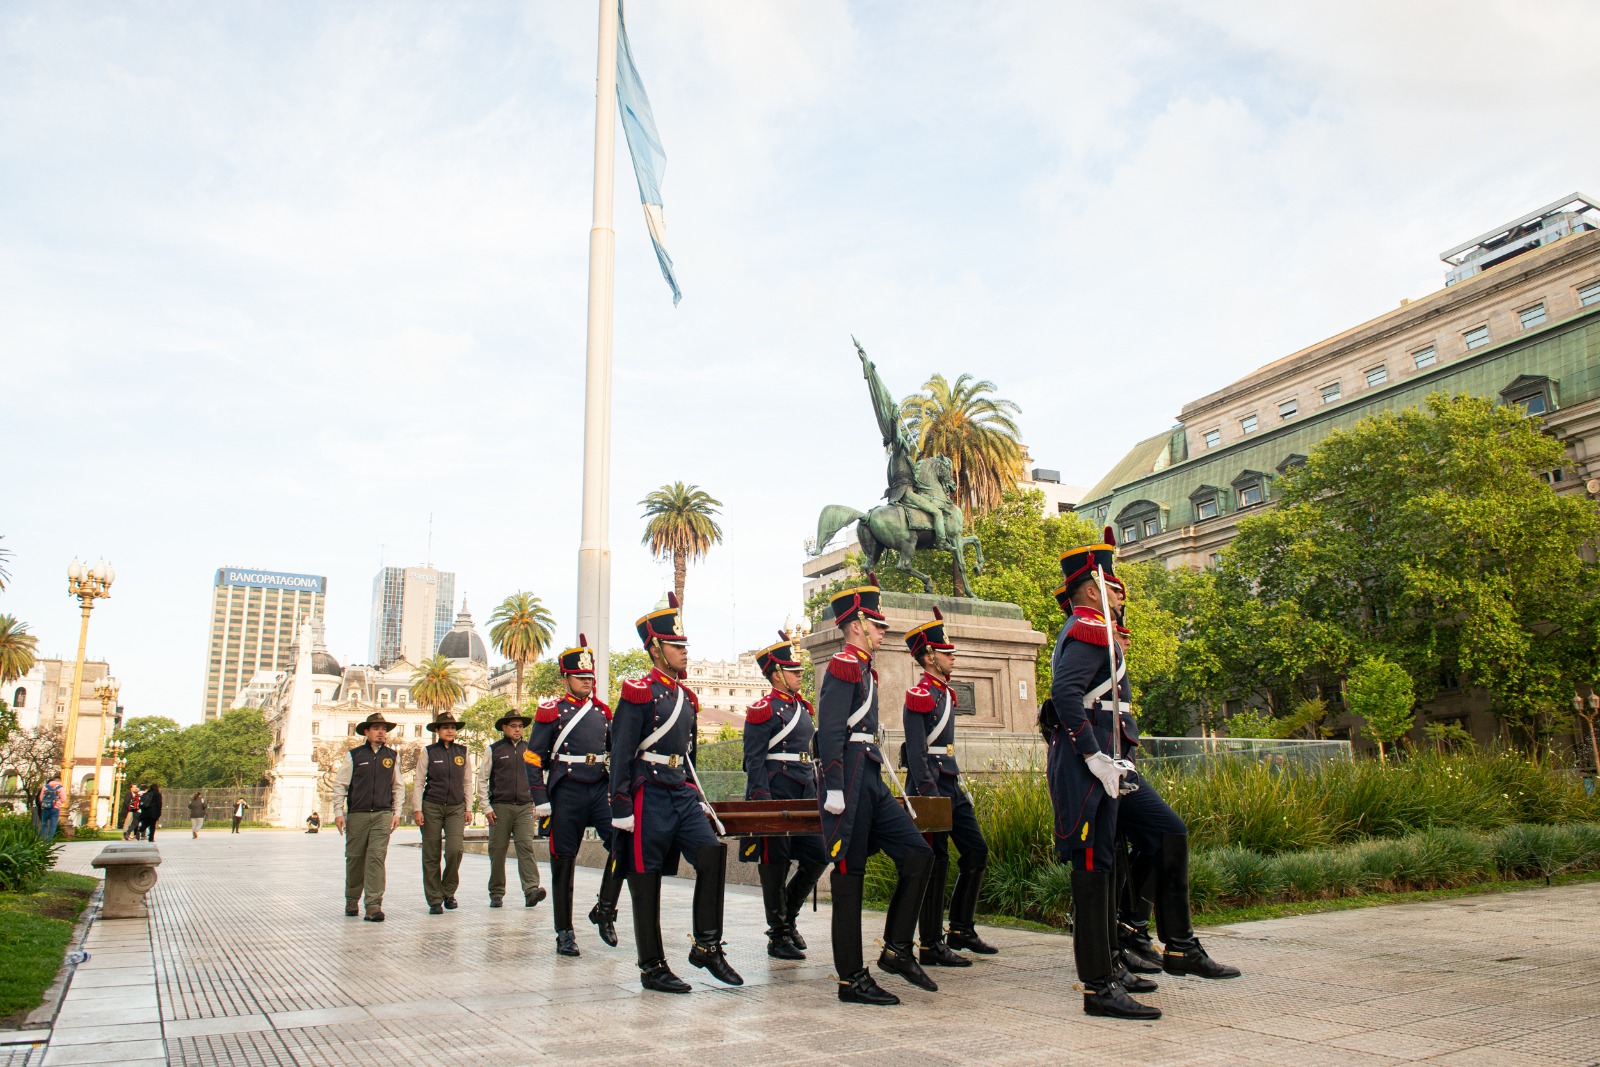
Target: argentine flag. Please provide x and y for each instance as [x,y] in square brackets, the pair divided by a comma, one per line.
[644,145]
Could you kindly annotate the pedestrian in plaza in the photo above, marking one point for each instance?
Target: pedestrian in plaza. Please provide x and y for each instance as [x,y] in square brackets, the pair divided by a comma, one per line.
[130,813]
[571,786]
[368,793]
[150,811]
[239,808]
[1096,793]
[313,823]
[656,799]
[860,815]
[439,796]
[930,759]
[777,763]
[197,814]
[50,808]
[506,796]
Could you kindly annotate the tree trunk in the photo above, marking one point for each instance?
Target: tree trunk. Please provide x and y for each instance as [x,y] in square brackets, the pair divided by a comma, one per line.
[1594,745]
[516,705]
[1382,758]
[680,570]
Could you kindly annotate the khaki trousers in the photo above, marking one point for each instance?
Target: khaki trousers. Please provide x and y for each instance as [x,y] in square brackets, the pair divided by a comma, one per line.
[442,828]
[366,847]
[513,822]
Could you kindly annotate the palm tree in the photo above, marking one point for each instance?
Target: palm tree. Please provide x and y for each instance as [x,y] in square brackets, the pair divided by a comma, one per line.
[975,430]
[435,685]
[18,649]
[680,527]
[520,630]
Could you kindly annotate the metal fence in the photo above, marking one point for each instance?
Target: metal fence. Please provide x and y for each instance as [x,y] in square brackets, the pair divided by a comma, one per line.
[219,806]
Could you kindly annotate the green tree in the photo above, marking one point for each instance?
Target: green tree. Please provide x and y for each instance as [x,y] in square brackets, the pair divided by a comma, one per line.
[1380,692]
[633,663]
[477,731]
[156,749]
[34,756]
[18,649]
[234,749]
[436,685]
[681,527]
[545,680]
[520,630]
[975,430]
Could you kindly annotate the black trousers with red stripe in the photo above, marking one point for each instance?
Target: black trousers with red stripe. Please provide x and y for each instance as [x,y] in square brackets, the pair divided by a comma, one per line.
[1141,817]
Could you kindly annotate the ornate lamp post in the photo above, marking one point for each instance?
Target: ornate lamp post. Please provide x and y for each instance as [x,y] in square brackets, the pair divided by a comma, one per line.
[116,748]
[106,689]
[1589,710]
[88,584]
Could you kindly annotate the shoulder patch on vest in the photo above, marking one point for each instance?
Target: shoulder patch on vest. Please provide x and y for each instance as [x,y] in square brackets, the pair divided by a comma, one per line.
[845,667]
[920,700]
[759,712]
[636,691]
[549,711]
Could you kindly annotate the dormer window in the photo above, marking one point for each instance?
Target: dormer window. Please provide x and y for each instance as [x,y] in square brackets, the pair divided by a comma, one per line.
[1534,393]
[1293,461]
[1206,502]
[1140,520]
[1250,488]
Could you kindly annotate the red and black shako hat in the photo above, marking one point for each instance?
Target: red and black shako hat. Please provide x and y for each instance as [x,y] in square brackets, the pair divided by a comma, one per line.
[1080,563]
[862,600]
[929,635]
[663,624]
[781,655]
[578,661]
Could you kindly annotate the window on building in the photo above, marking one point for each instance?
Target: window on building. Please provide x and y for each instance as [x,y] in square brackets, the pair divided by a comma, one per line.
[1247,424]
[1589,294]
[1533,405]
[1288,409]
[1100,514]
[19,699]
[1206,508]
[1424,357]
[316,727]
[1152,527]
[1533,316]
[1476,338]
[1330,393]
[1130,532]
[1534,393]
[1377,375]
[1213,438]
[1251,494]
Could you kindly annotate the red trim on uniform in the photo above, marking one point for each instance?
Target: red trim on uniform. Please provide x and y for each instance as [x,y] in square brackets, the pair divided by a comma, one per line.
[638,830]
[1088,858]
[759,712]
[920,700]
[636,691]
[549,711]
[845,667]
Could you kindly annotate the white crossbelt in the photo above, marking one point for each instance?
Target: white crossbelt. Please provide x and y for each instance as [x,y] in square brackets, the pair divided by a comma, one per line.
[788,729]
[944,720]
[656,757]
[566,731]
[790,757]
[870,739]
[1104,687]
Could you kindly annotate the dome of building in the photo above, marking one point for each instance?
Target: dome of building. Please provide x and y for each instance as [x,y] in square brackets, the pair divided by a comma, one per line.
[324,663]
[463,642]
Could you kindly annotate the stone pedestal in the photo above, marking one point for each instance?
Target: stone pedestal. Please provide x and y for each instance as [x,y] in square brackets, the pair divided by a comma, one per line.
[294,797]
[996,649]
[130,873]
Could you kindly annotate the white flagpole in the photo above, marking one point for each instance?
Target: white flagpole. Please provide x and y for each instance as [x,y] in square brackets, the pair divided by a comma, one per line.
[594,551]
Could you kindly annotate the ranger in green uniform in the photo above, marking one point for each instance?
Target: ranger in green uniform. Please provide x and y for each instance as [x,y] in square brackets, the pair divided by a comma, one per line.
[440,798]
[369,790]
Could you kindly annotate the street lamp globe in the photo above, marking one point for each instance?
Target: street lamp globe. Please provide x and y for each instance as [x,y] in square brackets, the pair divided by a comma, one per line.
[75,570]
[108,573]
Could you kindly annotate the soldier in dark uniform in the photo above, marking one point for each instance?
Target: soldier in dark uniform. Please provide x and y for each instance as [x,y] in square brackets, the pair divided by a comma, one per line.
[860,815]
[368,793]
[440,799]
[1095,792]
[930,759]
[572,786]
[777,764]
[654,798]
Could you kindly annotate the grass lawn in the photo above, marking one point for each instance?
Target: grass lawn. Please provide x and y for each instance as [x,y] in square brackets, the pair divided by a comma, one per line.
[34,931]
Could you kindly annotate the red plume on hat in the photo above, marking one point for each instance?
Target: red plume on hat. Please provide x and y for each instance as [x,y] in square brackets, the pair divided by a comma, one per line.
[583,641]
[872,577]
[1109,537]
[937,613]
[672,598]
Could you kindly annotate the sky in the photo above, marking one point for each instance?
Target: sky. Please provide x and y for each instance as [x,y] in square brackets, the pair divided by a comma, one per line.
[281,280]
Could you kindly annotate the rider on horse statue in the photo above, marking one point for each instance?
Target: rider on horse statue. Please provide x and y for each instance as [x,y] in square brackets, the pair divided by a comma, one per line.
[913,485]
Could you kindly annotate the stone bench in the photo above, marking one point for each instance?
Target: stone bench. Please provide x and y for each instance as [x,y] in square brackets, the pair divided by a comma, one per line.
[130,869]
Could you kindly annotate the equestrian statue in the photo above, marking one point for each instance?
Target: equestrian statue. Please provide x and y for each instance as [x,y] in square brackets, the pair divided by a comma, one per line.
[921,511]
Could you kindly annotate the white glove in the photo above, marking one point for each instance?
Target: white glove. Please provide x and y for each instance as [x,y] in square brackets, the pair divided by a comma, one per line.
[833,803]
[624,825]
[1102,767]
[542,810]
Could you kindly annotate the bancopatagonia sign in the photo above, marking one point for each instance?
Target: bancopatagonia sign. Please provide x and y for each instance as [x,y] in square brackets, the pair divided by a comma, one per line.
[308,583]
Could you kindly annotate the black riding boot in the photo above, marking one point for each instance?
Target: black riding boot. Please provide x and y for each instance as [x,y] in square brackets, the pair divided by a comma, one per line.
[800,886]
[934,951]
[856,985]
[779,946]
[964,908]
[710,874]
[1183,953]
[561,911]
[645,889]
[900,927]
[604,912]
[1120,970]
[1091,950]
[1133,918]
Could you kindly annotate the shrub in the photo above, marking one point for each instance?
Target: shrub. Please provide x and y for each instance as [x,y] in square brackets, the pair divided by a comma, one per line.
[1247,874]
[25,857]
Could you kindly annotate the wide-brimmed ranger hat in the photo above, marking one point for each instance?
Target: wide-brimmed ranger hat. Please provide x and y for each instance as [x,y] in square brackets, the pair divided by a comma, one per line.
[663,624]
[861,600]
[578,660]
[781,655]
[929,635]
[516,716]
[443,719]
[375,719]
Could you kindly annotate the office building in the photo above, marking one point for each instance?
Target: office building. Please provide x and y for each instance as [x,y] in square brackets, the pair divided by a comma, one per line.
[412,610]
[253,617]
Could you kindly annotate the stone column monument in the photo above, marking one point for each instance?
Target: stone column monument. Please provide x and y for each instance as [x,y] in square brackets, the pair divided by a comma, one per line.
[294,778]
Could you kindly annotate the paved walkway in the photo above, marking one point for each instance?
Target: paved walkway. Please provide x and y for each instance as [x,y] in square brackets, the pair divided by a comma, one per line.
[255,963]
